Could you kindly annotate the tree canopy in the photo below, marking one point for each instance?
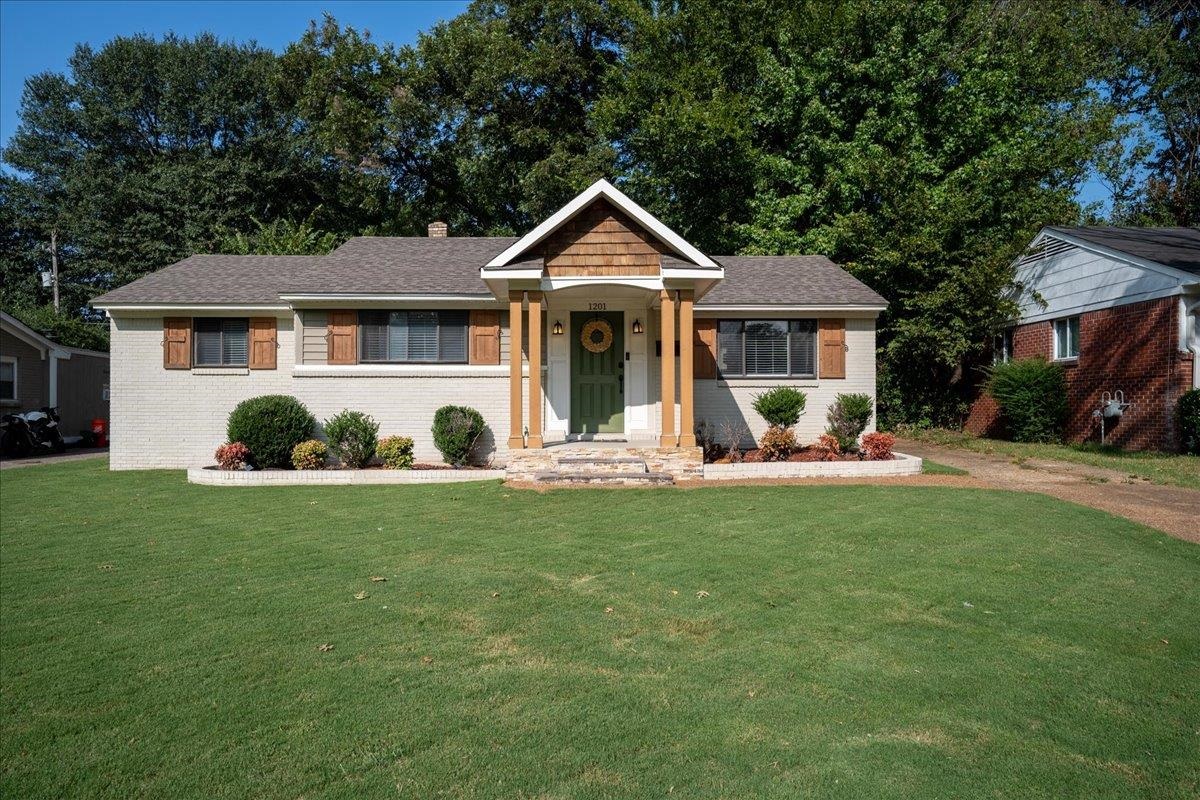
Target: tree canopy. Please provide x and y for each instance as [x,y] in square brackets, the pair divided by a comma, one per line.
[921,144]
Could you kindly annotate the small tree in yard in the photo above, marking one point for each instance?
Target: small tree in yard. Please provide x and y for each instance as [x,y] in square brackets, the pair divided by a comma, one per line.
[780,408]
[1032,395]
[848,418]
[455,431]
[352,436]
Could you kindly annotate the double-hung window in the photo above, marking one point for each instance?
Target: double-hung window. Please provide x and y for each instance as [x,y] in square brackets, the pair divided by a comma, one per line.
[1002,347]
[753,348]
[413,336]
[1066,338]
[221,342]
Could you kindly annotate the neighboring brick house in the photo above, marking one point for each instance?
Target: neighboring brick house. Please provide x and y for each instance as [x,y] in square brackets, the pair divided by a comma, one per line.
[599,323]
[1118,308]
[36,372]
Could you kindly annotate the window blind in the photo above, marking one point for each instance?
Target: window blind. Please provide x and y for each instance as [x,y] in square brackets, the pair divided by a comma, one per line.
[767,347]
[222,342]
[413,336]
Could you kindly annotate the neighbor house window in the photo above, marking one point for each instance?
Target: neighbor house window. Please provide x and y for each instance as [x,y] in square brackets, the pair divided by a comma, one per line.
[221,342]
[785,348]
[1066,338]
[1002,347]
[8,378]
[413,336]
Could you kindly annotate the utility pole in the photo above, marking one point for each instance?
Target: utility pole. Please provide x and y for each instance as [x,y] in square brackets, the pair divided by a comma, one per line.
[54,263]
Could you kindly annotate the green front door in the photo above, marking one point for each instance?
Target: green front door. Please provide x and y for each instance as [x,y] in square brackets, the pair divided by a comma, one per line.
[597,378]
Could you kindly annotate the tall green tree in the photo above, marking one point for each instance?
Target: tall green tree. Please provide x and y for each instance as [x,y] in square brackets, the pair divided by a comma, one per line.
[148,149]
[920,144]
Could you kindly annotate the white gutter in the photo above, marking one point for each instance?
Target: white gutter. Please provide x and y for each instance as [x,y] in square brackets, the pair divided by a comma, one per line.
[119,307]
[385,298]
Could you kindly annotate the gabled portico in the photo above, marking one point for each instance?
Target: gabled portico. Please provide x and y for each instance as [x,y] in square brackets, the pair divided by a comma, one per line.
[611,291]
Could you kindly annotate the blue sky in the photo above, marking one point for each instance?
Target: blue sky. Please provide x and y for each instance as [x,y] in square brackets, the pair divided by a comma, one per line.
[40,36]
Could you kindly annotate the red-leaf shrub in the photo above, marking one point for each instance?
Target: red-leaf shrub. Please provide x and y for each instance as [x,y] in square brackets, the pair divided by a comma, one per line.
[878,446]
[234,455]
[777,443]
[829,447]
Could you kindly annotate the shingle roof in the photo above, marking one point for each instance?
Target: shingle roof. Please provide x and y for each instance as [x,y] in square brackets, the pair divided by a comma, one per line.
[788,280]
[422,265]
[213,279]
[1171,247]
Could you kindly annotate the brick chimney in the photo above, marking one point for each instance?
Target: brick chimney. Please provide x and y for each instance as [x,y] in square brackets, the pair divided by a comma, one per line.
[438,230]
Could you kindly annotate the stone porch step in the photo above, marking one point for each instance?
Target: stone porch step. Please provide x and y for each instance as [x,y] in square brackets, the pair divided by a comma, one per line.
[602,478]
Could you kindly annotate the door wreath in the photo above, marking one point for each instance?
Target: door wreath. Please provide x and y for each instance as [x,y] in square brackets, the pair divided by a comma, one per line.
[596,336]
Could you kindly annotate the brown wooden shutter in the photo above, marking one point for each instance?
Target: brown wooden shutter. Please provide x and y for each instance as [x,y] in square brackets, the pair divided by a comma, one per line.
[485,337]
[262,343]
[704,349]
[342,337]
[833,348]
[177,342]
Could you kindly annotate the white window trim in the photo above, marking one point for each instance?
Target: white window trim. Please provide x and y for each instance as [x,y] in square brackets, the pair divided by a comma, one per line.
[1054,338]
[16,376]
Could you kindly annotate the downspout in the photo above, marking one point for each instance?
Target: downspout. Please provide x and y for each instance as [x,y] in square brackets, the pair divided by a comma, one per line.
[1189,333]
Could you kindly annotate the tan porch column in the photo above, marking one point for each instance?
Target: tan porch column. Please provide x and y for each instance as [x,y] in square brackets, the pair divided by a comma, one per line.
[535,369]
[667,371]
[687,422]
[516,438]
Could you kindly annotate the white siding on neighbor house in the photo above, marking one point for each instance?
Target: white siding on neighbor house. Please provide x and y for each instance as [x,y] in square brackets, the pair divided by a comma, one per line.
[176,418]
[1074,280]
[732,400]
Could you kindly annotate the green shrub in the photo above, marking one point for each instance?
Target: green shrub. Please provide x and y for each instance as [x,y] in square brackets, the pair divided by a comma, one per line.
[271,426]
[1032,395]
[352,436]
[396,452]
[455,431]
[1187,413]
[781,406]
[848,418]
[309,454]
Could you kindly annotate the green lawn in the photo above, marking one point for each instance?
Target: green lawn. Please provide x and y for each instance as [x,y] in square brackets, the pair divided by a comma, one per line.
[934,468]
[1171,469]
[161,640]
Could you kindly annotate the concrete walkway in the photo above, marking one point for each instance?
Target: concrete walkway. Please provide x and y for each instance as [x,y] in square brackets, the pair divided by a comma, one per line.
[1170,509]
[54,458]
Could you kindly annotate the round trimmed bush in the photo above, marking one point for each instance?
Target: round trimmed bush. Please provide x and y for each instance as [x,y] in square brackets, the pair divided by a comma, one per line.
[1188,413]
[310,454]
[1032,395]
[352,436]
[455,431]
[396,452]
[271,426]
[780,407]
[777,443]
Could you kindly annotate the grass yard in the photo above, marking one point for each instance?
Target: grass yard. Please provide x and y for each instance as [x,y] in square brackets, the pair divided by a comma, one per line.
[162,640]
[934,468]
[1171,469]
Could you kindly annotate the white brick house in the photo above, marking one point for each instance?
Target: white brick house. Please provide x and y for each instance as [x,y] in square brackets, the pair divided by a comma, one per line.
[622,310]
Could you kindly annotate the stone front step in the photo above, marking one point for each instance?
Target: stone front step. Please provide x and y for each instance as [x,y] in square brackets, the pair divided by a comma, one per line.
[605,478]
[678,463]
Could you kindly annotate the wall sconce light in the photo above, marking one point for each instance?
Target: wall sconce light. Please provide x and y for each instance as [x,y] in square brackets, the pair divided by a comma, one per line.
[558,329]
[637,326]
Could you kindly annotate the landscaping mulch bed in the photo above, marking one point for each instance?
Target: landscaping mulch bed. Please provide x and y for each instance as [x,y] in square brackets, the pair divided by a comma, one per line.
[804,454]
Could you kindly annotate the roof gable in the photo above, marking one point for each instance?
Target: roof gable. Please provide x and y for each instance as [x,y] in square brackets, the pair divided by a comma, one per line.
[604,190]
[1176,248]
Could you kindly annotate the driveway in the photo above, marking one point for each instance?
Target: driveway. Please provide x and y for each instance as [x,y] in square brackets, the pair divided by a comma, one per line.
[1170,509]
[54,458]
